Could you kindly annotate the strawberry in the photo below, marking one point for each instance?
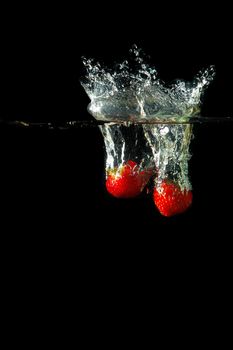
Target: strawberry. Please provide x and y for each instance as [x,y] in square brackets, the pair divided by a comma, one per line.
[171,200]
[127,181]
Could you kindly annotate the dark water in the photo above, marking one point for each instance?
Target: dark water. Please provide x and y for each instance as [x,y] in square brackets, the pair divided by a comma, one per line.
[58,175]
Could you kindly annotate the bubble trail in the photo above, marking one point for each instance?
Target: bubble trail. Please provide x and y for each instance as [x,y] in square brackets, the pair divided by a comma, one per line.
[129,166]
[170,148]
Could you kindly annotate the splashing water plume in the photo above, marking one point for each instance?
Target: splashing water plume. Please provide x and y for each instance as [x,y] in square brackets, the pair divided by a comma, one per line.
[132,91]
[132,94]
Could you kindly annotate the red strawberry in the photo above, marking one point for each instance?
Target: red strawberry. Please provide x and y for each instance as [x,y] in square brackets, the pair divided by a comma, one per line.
[127,181]
[170,200]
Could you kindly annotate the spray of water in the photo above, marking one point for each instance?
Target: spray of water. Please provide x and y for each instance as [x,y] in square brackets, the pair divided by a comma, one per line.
[132,91]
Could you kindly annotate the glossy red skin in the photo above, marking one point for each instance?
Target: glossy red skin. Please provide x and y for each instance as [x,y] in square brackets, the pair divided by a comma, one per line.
[128,181]
[170,200]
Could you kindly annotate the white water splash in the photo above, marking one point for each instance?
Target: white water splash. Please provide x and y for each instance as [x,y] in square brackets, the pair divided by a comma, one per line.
[132,91]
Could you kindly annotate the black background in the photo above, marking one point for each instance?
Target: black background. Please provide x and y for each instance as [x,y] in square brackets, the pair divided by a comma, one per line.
[56,217]
[60,174]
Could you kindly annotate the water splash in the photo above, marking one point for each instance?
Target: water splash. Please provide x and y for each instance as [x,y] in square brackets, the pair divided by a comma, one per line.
[132,91]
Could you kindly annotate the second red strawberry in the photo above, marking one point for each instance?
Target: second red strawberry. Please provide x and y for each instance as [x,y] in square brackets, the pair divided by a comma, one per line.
[128,180]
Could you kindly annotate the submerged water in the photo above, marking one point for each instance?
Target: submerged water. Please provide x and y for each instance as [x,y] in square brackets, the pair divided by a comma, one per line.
[164,149]
[124,143]
[170,147]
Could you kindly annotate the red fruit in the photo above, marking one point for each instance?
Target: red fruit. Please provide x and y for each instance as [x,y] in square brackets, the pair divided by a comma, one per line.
[127,181]
[170,200]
